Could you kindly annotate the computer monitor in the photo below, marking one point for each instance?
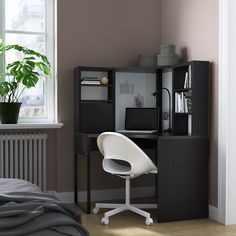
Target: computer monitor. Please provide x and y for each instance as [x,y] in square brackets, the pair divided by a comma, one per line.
[142,118]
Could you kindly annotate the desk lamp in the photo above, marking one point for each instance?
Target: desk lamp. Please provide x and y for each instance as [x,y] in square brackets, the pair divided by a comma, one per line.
[154,94]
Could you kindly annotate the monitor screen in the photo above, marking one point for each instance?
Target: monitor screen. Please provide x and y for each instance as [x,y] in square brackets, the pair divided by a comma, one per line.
[142,118]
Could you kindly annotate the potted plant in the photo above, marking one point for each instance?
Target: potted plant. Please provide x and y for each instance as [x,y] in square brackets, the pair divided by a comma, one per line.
[20,75]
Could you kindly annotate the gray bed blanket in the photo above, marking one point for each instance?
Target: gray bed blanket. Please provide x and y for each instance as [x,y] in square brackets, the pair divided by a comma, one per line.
[24,213]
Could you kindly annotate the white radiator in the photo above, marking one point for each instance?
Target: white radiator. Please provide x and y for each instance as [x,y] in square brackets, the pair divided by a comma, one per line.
[23,156]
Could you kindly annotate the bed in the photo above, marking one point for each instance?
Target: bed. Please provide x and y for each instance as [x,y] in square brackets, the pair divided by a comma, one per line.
[25,210]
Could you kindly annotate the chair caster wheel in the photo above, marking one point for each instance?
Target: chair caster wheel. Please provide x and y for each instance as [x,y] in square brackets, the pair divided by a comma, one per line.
[149,221]
[95,210]
[105,221]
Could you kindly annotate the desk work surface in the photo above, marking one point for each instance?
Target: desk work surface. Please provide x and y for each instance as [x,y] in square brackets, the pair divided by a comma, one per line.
[86,142]
[143,135]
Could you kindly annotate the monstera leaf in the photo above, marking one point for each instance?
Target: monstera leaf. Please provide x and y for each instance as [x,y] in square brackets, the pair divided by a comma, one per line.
[27,71]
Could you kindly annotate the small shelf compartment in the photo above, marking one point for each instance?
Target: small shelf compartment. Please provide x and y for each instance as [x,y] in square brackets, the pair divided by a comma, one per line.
[94,93]
[182,77]
[94,101]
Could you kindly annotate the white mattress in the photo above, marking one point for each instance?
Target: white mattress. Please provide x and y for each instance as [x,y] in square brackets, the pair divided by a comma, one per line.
[17,185]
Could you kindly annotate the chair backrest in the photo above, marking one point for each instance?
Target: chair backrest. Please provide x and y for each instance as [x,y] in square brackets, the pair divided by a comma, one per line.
[117,147]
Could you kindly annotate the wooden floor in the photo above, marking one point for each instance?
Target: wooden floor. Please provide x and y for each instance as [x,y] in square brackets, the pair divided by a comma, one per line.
[129,224]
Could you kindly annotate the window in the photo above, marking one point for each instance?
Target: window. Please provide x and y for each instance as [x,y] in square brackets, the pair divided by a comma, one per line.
[30,23]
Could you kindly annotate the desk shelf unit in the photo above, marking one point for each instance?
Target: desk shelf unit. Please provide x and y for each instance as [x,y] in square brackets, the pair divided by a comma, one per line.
[182,190]
[190,97]
[190,91]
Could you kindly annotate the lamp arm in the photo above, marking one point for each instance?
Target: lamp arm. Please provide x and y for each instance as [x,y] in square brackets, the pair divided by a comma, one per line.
[169,99]
[169,96]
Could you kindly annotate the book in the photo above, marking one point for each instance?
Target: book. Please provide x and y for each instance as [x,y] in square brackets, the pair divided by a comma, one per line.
[183,103]
[189,105]
[189,124]
[190,76]
[186,80]
[176,102]
[179,103]
[89,78]
[90,82]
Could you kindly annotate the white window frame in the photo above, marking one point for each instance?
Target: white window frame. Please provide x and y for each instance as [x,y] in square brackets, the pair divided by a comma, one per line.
[2,23]
[50,39]
[226,212]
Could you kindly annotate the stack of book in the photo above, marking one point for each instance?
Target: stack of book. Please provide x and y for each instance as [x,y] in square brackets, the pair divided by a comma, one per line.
[90,80]
[183,103]
[188,78]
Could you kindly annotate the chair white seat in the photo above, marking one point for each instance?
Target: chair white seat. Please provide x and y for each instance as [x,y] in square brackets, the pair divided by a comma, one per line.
[125,159]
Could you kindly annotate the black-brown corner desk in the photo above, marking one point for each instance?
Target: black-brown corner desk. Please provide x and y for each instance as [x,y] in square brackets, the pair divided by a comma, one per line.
[182,179]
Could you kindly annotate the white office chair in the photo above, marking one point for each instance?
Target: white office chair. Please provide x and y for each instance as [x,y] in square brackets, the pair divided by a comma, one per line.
[118,148]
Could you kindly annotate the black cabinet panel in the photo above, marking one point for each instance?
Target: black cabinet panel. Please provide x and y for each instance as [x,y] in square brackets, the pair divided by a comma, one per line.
[182,178]
[181,124]
[96,116]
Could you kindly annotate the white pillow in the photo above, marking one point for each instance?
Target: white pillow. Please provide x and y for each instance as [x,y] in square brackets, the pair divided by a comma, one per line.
[17,185]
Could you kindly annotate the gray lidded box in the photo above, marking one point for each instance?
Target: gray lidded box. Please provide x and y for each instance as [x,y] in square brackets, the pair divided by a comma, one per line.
[147,60]
[167,55]
[167,49]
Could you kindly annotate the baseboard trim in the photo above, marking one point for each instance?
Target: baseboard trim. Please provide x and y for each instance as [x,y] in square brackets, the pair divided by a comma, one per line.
[214,213]
[114,194]
[106,194]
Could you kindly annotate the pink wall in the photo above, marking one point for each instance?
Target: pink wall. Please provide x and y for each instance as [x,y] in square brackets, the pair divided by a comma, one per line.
[193,27]
[113,33]
[97,33]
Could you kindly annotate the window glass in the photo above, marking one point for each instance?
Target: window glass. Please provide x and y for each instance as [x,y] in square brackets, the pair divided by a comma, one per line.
[25,25]
[33,101]
[25,15]
[35,42]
